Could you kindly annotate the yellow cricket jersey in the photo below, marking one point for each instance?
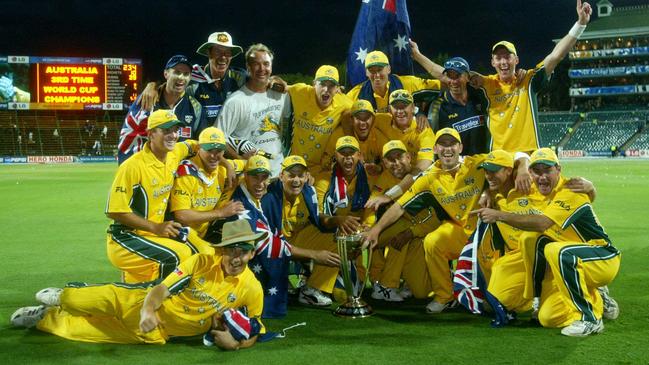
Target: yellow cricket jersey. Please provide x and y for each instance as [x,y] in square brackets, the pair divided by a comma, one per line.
[420,145]
[410,83]
[452,197]
[518,203]
[371,148]
[573,217]
[294,216]
[192,192]
[312,127]
[513,111]
[378,188]
[143,183]
[199,290]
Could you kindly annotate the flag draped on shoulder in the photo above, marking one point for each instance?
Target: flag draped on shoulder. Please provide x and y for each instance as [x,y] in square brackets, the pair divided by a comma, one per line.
[133,134]
[382,25]
[469,284]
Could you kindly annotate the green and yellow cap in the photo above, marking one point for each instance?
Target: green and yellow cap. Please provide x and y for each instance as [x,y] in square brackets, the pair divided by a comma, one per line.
[212,138]
[544,156]
[162,118]
[496,160]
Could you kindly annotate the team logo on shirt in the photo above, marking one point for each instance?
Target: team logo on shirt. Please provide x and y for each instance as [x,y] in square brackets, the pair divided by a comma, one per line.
[469,181]
[523,202]
[231,298]
[300,215]
[189,119]
[330,120]
[201,281]
[154,181]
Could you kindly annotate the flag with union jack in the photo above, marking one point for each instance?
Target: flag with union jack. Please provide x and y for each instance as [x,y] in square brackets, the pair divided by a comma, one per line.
[469,284]
[274,246]
[133,135]
[382,25]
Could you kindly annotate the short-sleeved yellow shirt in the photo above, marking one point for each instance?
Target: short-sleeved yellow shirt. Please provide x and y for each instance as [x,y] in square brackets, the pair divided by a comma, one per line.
[420,145]
[518,203]
[513,111]
[200,194]
[573,217]
[410,83]
[312,127]
[199,290]
[456,195]
[143,184]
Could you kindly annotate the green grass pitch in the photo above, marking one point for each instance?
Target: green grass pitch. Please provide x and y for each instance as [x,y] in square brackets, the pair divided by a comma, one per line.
[53,231]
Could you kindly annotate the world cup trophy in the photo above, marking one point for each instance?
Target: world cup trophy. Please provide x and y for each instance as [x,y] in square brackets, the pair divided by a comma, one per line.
[349,248]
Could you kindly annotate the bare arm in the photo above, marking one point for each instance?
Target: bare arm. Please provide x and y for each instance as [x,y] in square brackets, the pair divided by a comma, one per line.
[526,222]
[568,41]
[153,300]
[189,216]
[322,257]
[371,237]
[164,229]
[149,96]
[431,67]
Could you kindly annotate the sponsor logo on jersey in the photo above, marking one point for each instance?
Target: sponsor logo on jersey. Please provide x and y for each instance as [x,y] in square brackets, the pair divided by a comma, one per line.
[468,123]
[231,298]
[523,202]
[185,132]
[562,204]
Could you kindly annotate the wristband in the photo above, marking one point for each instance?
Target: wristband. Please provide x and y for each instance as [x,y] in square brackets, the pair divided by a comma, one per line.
[394,192]
[577,30]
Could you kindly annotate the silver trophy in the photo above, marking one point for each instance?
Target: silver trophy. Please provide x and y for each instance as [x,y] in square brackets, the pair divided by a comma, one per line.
[349,248]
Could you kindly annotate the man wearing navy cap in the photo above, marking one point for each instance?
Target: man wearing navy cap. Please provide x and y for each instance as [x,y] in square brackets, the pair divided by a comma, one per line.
[462,108]
[171,96]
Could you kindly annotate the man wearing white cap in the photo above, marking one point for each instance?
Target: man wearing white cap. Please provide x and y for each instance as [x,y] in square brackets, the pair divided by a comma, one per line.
[217,79]
[255,113]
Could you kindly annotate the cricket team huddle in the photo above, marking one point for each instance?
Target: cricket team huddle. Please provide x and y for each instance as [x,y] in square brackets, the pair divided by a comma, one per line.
[230,177]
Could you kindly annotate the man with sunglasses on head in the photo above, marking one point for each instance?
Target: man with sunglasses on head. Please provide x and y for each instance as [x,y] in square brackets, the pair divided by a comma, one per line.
[461,107]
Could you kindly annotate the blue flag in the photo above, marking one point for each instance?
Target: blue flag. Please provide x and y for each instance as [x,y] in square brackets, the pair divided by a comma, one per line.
[381,25]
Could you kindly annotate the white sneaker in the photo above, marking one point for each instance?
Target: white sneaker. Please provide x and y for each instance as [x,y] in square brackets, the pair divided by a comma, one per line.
[611,308]
[405,291]
[313,296]
[583,328]
[49,296]
[28,316]
[435,307]
[380,292]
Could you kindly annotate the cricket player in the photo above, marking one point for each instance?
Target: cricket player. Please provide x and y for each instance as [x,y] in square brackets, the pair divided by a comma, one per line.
[343,194]
[197,196]
[318,110]
[214,82]
[370,139]
[567,237]
[402,242]
[452,188]
[188,302]
[513,111]
[253,116]
[140,242]
[381,82]
[172,96]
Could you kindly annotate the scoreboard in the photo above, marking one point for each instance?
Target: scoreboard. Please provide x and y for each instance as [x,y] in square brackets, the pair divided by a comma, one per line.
[74,83]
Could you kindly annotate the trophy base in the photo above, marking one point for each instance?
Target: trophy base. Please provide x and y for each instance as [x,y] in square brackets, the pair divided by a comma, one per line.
[355,308]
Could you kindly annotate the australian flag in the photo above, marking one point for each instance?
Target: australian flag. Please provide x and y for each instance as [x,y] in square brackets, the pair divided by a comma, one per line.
[381,25]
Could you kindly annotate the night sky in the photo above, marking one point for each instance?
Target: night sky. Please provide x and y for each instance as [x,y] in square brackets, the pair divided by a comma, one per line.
[303,33]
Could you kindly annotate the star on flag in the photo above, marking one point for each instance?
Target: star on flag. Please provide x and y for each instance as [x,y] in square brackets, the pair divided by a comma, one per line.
[272,291]
[361,54]
[400,42]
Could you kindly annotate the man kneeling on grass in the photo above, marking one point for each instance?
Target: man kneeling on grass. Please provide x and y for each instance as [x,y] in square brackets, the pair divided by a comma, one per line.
[205,294]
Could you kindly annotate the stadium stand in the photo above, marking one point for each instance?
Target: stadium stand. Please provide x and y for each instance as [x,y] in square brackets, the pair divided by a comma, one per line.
[600,135]
[57,133]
